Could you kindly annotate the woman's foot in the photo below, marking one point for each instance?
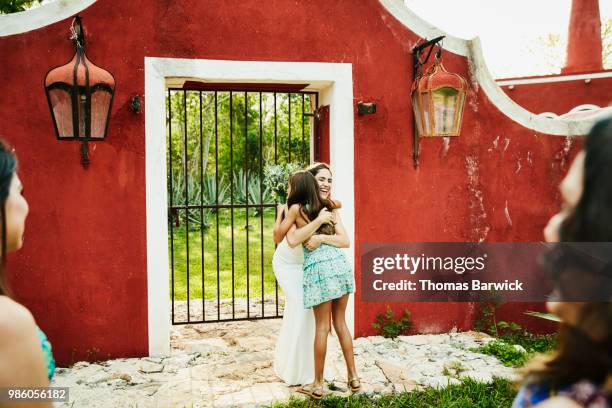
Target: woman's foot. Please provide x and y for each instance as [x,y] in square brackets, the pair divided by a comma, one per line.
[314,391]
[354,384]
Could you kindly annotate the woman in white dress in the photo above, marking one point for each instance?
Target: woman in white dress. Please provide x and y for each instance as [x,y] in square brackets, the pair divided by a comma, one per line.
[294,354]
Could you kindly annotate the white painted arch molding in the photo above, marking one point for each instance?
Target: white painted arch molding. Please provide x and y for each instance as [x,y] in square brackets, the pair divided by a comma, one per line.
[38,17]
[478,68]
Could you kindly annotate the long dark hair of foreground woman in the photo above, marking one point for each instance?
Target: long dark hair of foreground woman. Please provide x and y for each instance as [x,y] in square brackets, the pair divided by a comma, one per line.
[584,349]
[8,167]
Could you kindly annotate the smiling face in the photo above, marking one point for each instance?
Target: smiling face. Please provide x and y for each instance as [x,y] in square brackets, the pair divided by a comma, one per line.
[16,208]
[324,179]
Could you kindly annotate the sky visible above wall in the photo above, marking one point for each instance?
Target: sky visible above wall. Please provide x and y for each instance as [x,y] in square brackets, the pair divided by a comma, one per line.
[519,37]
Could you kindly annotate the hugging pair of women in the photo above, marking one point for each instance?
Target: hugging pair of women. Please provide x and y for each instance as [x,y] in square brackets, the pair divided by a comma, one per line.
[316,278]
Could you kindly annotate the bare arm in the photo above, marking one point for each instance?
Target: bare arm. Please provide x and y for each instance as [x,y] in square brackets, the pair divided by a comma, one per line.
[296,236]
[339,239]
[23,363]
[281,226]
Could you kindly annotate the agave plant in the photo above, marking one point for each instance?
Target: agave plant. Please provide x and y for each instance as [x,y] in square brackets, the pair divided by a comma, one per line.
[198,191]
[249,189]
[210,191]
[240,187]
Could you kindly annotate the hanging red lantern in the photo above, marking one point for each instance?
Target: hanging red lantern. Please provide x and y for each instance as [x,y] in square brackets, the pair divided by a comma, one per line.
[80,96]
[438,98]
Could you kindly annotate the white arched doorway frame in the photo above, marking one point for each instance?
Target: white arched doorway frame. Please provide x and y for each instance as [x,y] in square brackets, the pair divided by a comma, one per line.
[334,83]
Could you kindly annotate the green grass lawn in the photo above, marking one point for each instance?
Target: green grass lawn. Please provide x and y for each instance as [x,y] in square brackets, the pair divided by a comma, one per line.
[225,283]
[468,394]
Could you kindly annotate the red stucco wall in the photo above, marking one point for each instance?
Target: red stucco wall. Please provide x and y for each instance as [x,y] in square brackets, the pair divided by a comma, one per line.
[82,270]
[561,97]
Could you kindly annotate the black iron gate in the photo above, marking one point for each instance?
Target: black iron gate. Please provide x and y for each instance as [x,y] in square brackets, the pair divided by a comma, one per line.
[220,138]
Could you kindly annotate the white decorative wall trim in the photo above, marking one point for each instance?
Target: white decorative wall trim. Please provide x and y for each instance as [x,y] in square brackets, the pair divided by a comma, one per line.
[551,126]
[422,28]
[41,16]
[334,81]
[585,107]
[556,78]
[472,50]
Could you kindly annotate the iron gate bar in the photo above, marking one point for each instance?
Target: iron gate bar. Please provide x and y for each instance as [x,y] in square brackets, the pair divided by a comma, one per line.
[216,212]
[197,206]
[237,319]
[316,138]
[261,210]
[232,196]
[202,212]
[289,127]
[171,189]
[186,196]
[275,208]
[303,98]
[246,196]
[275,131]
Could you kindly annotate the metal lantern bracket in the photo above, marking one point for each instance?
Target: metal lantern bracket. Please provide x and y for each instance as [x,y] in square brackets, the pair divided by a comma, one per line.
[80,96]
[78,36]
[417,70]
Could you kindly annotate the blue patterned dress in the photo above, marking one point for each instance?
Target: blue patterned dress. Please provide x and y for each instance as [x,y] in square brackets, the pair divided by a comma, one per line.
[327,275]
[46,348]
[586,393]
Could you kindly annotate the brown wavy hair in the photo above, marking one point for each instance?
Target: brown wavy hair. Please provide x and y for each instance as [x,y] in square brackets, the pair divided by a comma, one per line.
[305,192]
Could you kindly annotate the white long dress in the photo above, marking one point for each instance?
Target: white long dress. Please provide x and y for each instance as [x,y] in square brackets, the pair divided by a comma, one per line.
[294,353]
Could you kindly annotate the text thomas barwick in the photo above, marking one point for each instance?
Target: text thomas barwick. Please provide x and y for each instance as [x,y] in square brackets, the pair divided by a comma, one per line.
[426,284]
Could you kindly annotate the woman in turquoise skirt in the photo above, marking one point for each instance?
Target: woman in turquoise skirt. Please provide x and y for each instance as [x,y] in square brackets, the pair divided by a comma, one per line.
[25,353]
[328,276]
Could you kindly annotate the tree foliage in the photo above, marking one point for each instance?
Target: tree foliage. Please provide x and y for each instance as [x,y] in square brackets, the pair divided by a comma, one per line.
[233,137]
[553,46]
[14,6]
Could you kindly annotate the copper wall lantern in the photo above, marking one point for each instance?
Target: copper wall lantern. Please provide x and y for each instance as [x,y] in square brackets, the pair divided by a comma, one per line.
[438,97]
[80,97]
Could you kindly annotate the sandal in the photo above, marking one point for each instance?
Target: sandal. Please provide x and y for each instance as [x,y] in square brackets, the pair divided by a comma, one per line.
[313,391]
[351,383]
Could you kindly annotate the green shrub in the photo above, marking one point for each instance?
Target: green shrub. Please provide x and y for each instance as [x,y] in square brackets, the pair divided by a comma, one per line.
[389,327]
[533,343]
[505,352]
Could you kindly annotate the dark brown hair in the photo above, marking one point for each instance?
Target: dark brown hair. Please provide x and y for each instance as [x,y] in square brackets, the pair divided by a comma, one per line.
[305,192]
[316,167]
[8,167]
[584,350]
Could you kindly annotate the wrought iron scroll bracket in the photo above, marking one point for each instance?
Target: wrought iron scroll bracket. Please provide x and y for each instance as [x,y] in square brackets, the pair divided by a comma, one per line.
[417,70]
[85,154]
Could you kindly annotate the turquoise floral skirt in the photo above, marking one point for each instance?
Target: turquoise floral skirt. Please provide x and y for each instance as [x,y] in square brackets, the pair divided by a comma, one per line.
[327,275]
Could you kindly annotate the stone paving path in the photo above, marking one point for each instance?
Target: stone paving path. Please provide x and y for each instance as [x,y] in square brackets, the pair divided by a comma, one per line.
[226,309]
[230,364]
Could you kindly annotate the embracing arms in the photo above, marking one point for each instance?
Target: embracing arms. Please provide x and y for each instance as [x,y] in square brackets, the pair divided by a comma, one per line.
[283,226]
[287,226]
[339,239]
